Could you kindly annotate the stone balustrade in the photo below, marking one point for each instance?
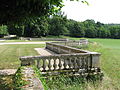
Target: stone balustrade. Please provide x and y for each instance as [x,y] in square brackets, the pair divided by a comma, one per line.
[67,58]
[68,43]
[58,62]
[43,39]
[63,49]
[73,42]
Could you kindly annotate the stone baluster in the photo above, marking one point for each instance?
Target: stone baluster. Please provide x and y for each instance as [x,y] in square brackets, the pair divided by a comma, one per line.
[75,63]
[65,63]
[84,65]
[82,62]
[60,64]
[49,64]
[38,64]
[55,64]
[70,63]
[44,64]
[86,62]
[79,62]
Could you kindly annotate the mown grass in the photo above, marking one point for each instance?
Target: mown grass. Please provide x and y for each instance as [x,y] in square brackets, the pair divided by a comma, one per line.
[9,58]
[110,63]
[9,54]
[110,60]
[17,40]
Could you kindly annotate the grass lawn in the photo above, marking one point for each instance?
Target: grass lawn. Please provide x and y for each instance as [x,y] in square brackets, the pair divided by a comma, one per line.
[9,54]
[7,41]
[110,62]
[110,65]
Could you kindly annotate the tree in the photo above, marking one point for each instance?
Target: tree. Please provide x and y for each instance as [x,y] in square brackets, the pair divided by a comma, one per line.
[70,24]
[17,10]
[90,32]
[16,29]
[57,25]
[40,27]
[3,30]
[77,30]
[90,28]
[114,30]
[32,28]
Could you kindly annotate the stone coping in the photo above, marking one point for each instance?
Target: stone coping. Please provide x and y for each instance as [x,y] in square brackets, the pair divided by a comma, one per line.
[84,51]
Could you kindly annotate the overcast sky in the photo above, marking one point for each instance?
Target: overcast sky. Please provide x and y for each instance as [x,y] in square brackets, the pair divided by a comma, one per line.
[105,11]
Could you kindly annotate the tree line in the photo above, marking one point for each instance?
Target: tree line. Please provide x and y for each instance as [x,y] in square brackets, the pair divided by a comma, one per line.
[60,25]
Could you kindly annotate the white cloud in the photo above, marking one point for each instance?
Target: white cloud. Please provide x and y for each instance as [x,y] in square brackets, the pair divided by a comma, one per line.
[106,11]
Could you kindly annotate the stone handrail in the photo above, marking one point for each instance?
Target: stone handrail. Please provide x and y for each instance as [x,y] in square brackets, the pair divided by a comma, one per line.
[68,43]
[63,49]
[84,61]
[61,62]
[72,42]
[67,58]
[43,39]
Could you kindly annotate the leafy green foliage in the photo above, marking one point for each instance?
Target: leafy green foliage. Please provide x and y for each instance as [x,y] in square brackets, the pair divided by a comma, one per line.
[115,31]
[77,30]
[57,25]
[39,75]
[18,79]
[6,82]
[33,28]
[62,82]
[19,10]
[3,30]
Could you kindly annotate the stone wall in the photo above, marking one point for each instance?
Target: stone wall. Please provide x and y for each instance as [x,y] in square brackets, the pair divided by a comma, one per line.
[63,49]
[26,78]
[43,39]
[67,60]
[65,54]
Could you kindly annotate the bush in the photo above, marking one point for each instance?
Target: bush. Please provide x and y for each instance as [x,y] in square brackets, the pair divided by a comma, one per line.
[3,30]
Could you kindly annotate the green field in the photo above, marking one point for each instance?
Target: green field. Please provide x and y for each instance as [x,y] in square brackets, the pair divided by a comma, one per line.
[110,63]
[17,40]
[9,54]
[110,60]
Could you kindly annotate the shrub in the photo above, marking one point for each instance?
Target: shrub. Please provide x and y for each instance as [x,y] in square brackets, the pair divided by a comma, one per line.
[3,30]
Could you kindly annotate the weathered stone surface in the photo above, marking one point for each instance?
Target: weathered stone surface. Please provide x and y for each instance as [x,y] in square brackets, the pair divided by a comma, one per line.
[8,71]
[34,82]
[44,52]
[67,58]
